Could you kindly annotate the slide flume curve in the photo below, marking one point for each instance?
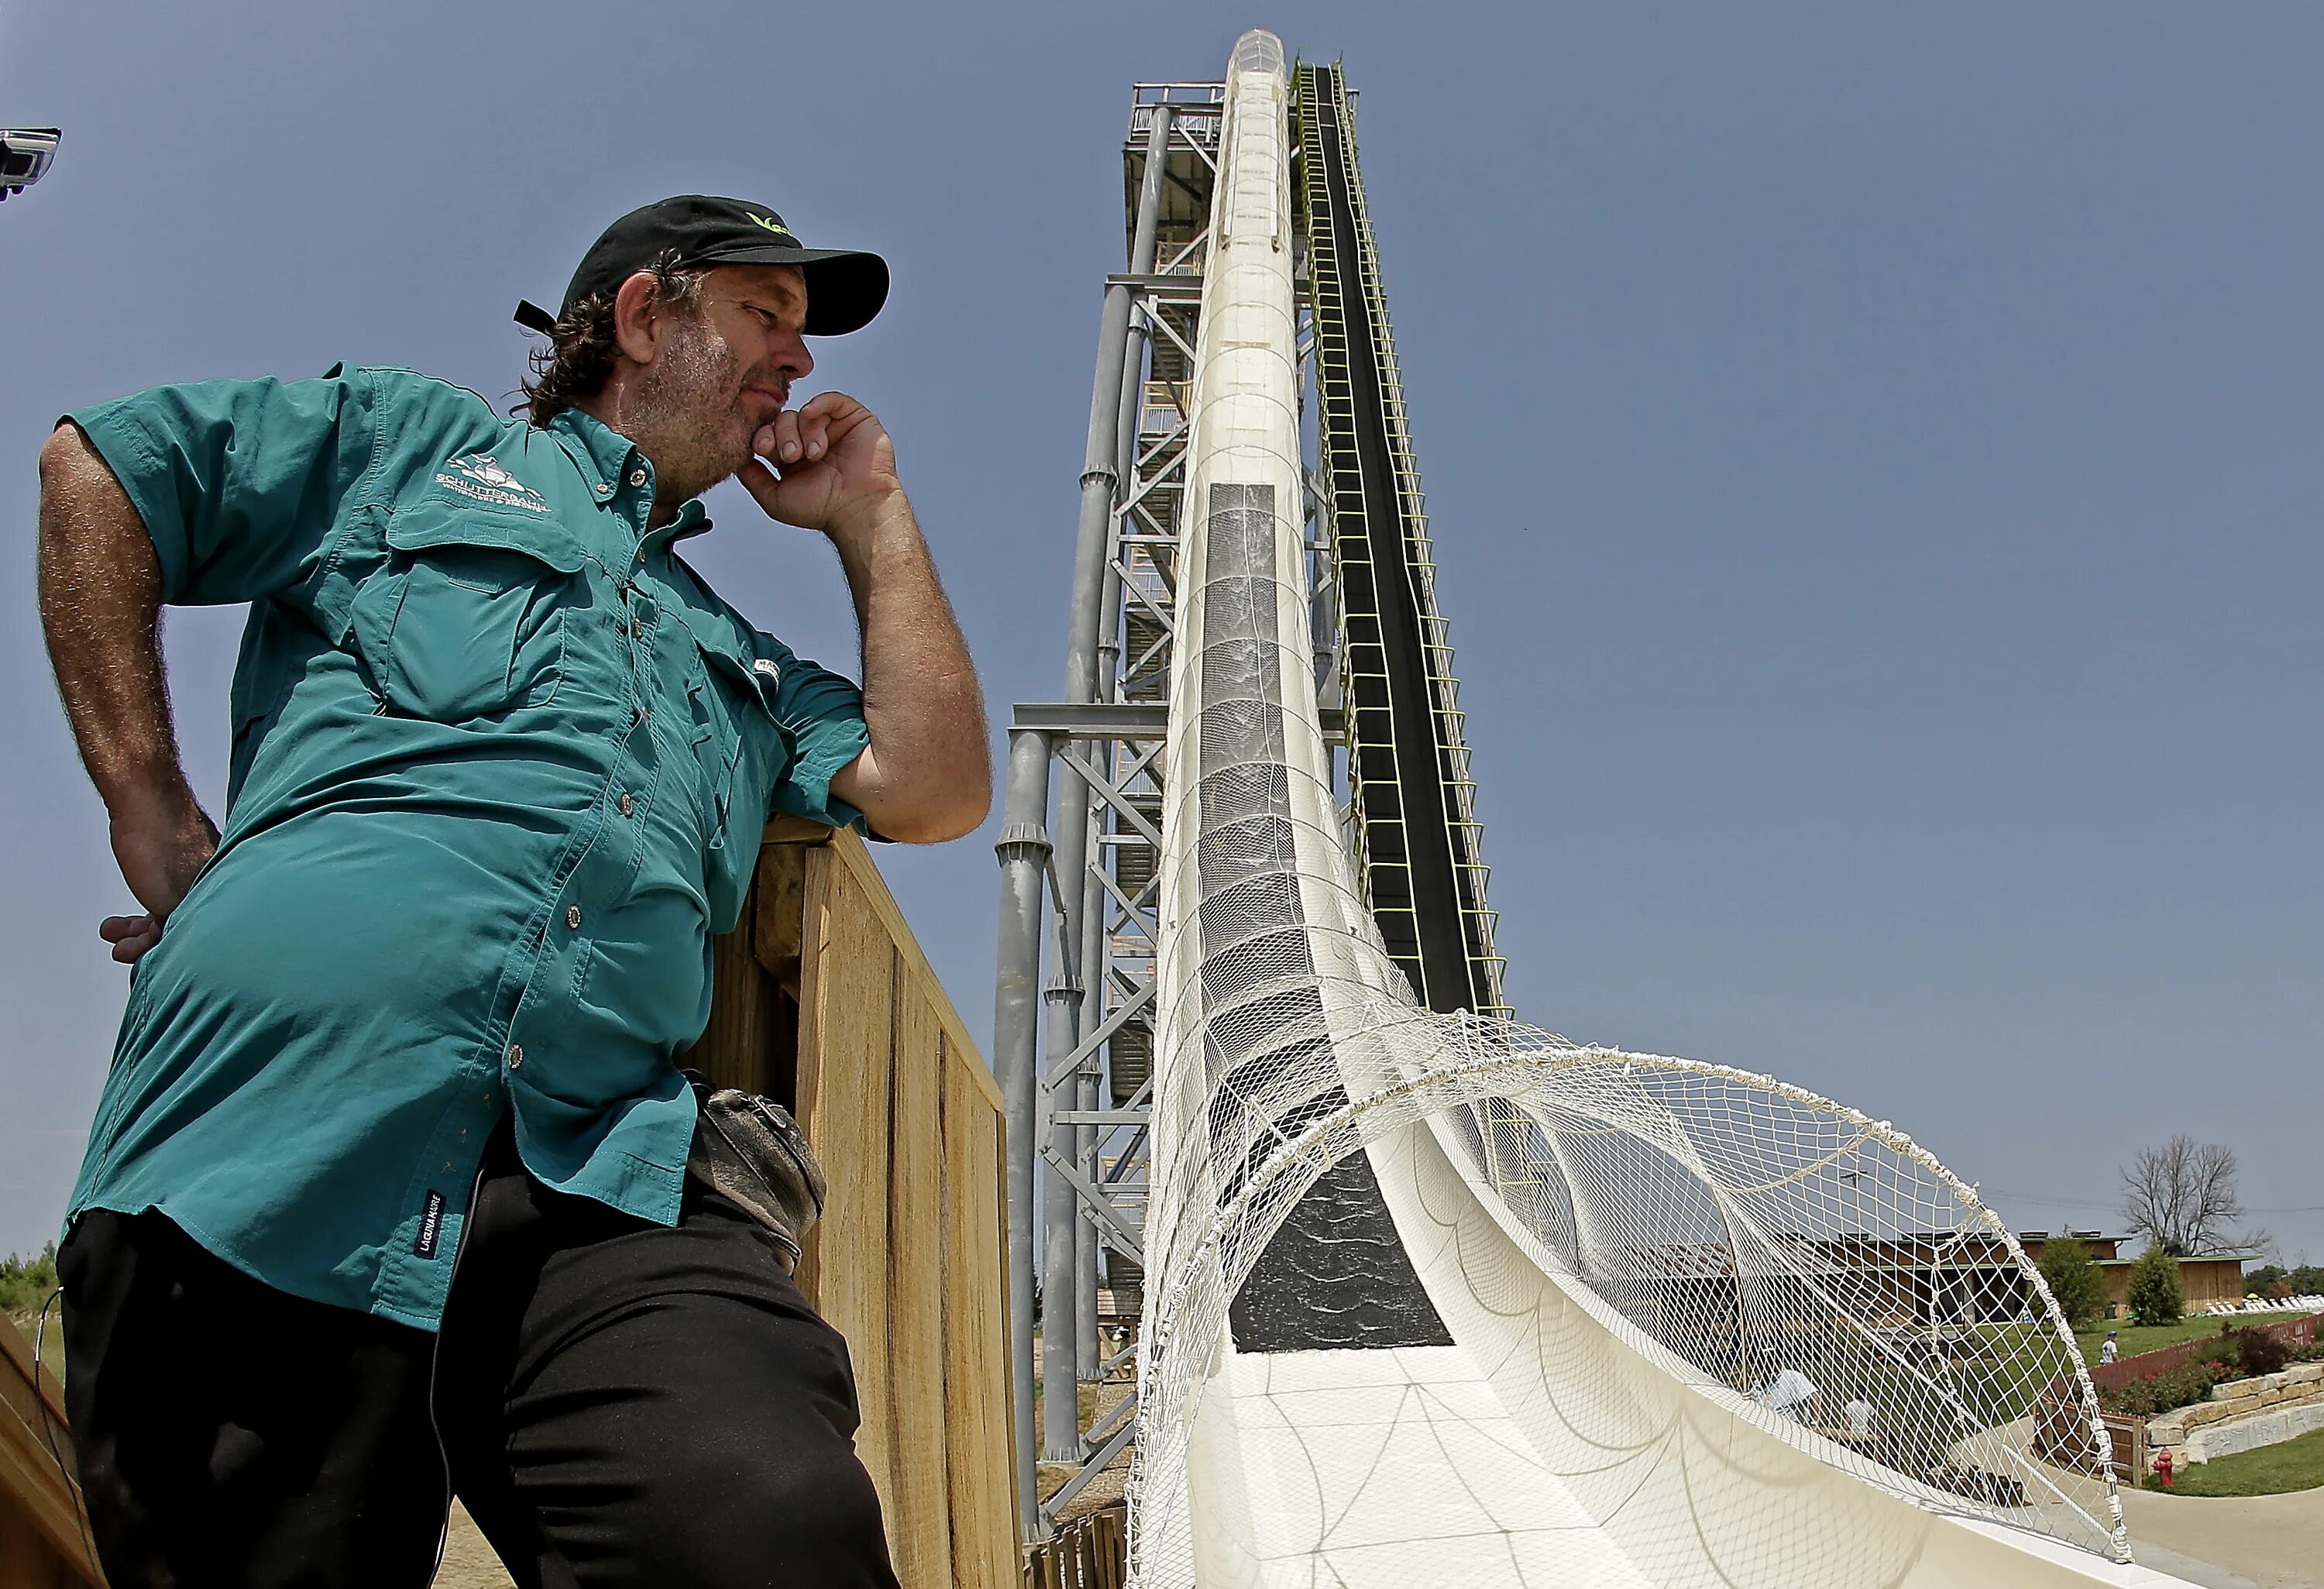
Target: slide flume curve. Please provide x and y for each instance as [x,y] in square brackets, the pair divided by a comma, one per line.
[1704,1329]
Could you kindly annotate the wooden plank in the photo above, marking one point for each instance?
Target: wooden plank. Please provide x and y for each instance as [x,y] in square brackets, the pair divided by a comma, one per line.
[907,1263]
[847,980]
[733,1048]
[33,1489]
[849,852]
[27,1559]
[778,907]
[922,1524]
[807,1097]
[979,1434]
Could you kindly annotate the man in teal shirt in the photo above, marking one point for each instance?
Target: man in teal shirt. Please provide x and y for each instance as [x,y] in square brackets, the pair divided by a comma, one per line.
[499,762]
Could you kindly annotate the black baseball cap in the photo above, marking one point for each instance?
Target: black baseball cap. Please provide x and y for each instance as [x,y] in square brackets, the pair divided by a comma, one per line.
[844,286]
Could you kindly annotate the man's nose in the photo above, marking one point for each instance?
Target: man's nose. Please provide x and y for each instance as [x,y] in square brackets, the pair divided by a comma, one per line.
[794,360]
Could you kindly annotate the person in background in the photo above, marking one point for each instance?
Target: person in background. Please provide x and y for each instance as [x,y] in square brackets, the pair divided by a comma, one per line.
[2112,1351]
[1791,1393]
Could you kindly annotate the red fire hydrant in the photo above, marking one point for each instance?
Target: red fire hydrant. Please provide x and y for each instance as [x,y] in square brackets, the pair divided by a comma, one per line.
[2162,1466]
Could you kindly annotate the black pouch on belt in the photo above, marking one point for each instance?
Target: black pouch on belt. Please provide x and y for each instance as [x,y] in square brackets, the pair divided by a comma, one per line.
[750,1152]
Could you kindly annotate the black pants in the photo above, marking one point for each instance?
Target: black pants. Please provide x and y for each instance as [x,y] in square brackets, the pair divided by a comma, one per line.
[619,1402]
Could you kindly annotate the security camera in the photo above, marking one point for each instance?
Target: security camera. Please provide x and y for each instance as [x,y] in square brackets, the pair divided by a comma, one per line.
[24,156]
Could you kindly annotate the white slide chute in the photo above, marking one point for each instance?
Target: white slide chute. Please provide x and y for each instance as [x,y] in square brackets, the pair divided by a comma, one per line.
[1705,1329]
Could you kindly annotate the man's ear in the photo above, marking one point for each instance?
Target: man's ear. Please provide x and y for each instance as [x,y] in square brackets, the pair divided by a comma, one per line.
[637,329]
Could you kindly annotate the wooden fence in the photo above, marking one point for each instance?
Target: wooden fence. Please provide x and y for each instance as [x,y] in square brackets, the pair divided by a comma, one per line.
[2126,1448]
[824,1000]
[42,1542]
[1091,1552]
[2114,1376]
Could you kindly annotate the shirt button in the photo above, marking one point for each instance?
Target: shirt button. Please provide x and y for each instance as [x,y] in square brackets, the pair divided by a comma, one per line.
[626,804]
[637,628]
[605,490]
[516,1054]
[637,477]
[573,916]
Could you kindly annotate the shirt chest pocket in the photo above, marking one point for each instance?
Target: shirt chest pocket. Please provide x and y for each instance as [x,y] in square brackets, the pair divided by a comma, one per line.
[466,620]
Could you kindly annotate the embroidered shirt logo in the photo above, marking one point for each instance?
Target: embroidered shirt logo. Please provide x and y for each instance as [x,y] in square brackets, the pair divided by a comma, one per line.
[481,478]
[768,669]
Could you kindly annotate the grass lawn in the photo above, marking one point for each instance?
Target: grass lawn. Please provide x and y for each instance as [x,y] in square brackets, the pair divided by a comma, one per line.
[2271,1470]
[2138,1338]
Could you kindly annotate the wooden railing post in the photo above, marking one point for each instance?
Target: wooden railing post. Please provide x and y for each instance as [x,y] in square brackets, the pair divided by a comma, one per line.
[824,1000]
[43,1539]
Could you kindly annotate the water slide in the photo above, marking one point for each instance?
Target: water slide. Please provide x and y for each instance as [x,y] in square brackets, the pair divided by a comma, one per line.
[1435,1298]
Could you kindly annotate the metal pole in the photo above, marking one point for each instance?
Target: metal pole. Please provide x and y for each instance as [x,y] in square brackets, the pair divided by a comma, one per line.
[1089,1349]
[1142,254]
[1093,958]
[1024,852]
[1061,1425]
[1100,474]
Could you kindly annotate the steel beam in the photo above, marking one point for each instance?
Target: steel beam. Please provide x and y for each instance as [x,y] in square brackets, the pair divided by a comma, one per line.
[1024,852]
[1136,720]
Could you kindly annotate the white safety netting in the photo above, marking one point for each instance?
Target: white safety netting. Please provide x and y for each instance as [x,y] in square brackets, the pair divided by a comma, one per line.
[1799,1268]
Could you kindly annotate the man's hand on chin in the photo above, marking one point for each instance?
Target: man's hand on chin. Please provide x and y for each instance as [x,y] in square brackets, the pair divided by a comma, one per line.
[828,466]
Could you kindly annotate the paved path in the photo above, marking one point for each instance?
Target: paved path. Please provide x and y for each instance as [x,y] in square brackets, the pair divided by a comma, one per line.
[2231,1542]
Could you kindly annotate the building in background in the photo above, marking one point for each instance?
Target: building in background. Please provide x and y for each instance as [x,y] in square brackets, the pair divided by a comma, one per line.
[2215,1277]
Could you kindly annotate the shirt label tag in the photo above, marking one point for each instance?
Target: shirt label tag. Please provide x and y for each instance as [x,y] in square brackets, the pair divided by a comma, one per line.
[431,1225]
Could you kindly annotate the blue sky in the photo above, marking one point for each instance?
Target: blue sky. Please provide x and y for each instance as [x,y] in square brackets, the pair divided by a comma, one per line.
[1872,452]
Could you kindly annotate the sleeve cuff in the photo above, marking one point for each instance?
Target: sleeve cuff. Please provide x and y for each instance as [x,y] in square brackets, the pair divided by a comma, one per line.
[126,446]
[806,789]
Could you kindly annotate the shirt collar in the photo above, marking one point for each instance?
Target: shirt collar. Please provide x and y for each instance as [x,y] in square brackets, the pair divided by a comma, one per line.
[607,459]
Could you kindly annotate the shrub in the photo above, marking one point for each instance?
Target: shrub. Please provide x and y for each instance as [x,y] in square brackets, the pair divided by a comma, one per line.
[2220,1350]
[2156,1297]
[2257,1352]
[25,1282]
[2075,1279]
[2173,1387]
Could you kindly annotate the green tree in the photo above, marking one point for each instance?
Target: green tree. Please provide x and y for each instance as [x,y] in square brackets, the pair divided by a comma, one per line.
[25,1282]
[2156,1297]
[2075,1279]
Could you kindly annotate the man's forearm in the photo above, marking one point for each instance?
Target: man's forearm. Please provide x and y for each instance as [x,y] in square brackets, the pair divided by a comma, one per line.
[100,598]
[921,701]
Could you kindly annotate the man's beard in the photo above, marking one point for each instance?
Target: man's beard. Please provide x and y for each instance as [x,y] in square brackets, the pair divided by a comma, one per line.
[684,416]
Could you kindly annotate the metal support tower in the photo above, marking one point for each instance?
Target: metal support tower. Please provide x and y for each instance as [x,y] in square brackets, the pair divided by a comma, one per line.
[1077,1100]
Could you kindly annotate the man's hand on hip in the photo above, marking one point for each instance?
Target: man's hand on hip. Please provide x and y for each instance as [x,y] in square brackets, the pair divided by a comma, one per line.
[161,844]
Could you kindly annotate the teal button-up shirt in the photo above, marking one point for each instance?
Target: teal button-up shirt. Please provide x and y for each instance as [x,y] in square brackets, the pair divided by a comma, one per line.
[501,761]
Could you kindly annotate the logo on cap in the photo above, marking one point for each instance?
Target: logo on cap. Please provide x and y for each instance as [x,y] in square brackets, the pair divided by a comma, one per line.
[776,227]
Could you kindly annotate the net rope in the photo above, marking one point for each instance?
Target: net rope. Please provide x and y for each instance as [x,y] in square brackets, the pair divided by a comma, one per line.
[1811,1271]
